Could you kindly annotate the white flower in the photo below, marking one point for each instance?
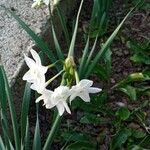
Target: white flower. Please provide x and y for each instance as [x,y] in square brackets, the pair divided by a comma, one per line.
[55,2]
[36,73]
[57,98]
[46,2]
[82,89]
[38,3]
[60,97]
[46,97]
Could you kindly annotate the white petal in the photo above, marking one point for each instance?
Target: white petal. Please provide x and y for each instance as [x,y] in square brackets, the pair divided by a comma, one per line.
[66,107]
[39,99]
[85,83]
[85,96]
[28,76]
[60,108]
[36,57]
[33,87]
[94,90]
[49,106]
[43,69]
[46,2]
[72,97]
[30,62]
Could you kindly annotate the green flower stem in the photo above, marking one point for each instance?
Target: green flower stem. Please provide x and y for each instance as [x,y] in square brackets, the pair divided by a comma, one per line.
[52,133]
[54,64]
[77,77]
[53,78]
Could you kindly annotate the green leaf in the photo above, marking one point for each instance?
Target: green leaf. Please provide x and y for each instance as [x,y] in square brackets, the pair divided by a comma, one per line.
[27,137]
[11,146]
[101,72]
[140,51]
[88,60]
[63,24]
[37,137]
[84,57]
[95,105]
[25,109]
[123,113]
[145,142]
[93,119]
[6,132]
[138,134]
[105,47]
[3,109]
[72,45]
[11,108]
[2,147]
[57,46]
[75,136]
[99,18]
[81,146]
[108,61]
[130,91]
[120,138]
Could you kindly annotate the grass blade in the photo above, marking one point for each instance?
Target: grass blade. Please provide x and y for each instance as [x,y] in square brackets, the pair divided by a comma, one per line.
[106,46]
[27,137]
[11,108]
[37,138]
[3,107]
[11,146]
[71,49]
[84,56]
[2,147]
[63,24]
[5,134]
[90,56]
[25,109]
[57,46]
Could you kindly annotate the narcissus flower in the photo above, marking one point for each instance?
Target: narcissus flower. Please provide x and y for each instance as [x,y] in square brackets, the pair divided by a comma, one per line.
[46,97]
[36,73]
[60,97]
[82,90]
[57,98]
[46,1]
[38,3]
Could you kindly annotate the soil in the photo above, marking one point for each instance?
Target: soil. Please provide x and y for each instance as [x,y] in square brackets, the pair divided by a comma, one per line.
[136,27]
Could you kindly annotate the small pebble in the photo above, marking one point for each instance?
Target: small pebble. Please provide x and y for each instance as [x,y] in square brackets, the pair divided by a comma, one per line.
[112,80]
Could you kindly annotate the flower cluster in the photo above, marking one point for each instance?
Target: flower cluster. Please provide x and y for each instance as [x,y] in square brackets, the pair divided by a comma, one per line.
[38,3]
[62,94]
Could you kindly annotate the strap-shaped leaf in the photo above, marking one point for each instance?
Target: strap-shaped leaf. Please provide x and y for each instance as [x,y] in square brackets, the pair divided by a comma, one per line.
[11,108]
[84,57]
[27,137]
[2,147]
[71,49]
[90,56]
[106,46]
[37,137]
[63,24]
[25,109]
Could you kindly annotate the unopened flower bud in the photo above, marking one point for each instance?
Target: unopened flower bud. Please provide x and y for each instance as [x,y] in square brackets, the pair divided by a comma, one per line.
[69,62]
[136,76]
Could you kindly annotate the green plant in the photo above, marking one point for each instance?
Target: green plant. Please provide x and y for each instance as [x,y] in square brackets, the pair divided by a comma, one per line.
[99,19]
[72,82]
[141,51]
